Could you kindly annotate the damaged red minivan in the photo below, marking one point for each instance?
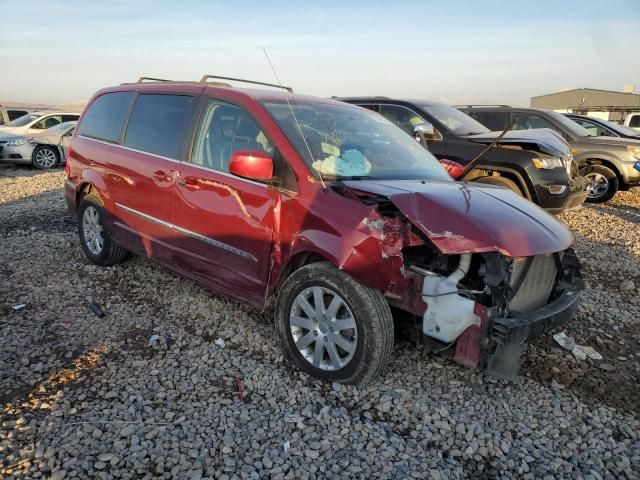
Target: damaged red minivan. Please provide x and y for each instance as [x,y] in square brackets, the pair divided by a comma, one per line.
[325,207]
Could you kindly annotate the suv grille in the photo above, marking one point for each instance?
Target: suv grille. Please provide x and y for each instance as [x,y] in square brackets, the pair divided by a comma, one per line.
[536,287]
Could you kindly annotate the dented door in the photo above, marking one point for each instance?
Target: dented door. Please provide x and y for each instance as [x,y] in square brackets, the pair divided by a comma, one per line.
[224,228]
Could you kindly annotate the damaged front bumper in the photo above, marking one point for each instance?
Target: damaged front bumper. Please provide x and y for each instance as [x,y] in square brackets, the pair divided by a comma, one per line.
[510,335]
[494,338]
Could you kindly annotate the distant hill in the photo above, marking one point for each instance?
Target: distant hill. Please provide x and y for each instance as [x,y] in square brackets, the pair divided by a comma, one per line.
[71,107]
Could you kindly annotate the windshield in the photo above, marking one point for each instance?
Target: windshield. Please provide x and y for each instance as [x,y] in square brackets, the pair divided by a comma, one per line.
[570,125]
[458,122]
[23,120]
[351,143]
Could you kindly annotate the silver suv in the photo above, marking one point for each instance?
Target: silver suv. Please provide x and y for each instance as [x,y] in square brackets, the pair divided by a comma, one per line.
[610,164]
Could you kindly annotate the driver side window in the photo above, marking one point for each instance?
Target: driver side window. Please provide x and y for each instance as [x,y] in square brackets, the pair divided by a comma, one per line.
[224,129]
[528,121]
[48,122]
[401,116]
[592,128]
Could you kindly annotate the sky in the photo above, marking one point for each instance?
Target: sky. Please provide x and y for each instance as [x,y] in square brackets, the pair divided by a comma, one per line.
[454,51]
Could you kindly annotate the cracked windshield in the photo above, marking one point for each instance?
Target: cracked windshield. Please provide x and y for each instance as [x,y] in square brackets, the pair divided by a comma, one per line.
[347,143]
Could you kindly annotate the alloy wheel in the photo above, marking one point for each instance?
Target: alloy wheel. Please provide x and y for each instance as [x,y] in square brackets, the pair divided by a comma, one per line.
[598,184]
[46,158]
[323,328]
[92,230]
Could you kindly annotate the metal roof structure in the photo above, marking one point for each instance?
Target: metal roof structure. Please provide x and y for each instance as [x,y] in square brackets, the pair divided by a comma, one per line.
[584,99]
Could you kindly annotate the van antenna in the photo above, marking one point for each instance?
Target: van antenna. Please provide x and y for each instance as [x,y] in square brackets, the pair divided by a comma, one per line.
[286,97]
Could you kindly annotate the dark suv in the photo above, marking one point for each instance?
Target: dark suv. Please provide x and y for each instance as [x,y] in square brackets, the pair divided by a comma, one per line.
[609,163]
[537,165]
[327,209]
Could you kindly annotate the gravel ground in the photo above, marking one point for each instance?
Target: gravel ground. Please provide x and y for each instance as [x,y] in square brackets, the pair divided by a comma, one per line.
[150,391]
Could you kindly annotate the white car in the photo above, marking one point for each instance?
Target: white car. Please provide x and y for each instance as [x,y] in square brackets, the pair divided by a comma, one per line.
[36,122]
[633,121]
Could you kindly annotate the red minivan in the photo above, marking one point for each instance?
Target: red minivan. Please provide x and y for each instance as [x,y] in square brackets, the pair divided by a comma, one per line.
[326,207]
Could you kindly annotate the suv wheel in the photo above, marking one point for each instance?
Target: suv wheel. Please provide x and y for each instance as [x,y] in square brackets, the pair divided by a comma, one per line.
[95,238]
[603,183]
[333,327]
[501,181]
[45,157]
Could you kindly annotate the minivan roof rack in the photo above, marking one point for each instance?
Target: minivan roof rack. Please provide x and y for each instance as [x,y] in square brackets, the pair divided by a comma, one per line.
[205,79]
[478,105]
[162,80]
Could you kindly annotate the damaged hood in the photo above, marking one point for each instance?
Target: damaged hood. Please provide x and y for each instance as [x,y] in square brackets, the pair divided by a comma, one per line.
[470,218]
[541,139]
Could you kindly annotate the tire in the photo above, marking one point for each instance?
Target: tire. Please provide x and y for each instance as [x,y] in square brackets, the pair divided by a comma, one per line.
[603,183]
[502,182]
[45,157]
[363,307]
[103,253]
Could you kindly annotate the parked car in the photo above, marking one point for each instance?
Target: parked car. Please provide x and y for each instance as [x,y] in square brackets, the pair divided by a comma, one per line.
[538,165]
[632,120]
[43,150]
[36,122]
[8,114]
[598,127]
[610,164]
[325,206]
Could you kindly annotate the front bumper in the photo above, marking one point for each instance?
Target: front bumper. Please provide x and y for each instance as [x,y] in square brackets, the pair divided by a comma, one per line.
[19,154]
[630,172]
[534,324]
[572,198]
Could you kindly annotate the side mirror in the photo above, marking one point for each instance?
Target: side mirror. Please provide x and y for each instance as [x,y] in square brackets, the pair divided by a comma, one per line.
[424,133]
[453,168]
[251,164]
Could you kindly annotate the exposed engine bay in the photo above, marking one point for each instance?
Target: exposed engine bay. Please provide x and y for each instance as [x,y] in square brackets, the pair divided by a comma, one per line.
[482,302]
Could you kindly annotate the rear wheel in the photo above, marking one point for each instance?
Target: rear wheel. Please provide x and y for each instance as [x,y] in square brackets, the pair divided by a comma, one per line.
[95,238]
[45,157]
[501,181]
[333,327]
[603,183]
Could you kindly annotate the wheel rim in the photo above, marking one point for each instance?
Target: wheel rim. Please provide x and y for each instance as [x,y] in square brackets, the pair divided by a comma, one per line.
[45,157]
[323,328]
[598,184]
[92,230]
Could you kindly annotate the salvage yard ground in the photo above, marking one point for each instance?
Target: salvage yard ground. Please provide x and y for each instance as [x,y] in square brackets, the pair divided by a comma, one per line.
[150,390]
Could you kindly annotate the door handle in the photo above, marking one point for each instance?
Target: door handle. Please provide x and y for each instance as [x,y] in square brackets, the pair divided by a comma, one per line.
[162,176]
[189,182]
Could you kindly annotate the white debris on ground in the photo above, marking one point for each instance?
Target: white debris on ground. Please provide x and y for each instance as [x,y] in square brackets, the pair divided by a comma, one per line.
[581,352]
[89,397]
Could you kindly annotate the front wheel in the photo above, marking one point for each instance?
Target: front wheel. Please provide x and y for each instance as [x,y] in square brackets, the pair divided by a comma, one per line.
[45,157]
[333,327]
[603,183]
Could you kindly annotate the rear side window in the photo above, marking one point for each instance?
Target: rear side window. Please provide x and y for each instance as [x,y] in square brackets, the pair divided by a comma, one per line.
[13,114]
[157,123]
[635,121]
[494,121]
[105,117]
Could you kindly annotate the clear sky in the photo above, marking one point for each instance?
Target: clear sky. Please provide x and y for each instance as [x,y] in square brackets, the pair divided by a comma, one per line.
[456,51]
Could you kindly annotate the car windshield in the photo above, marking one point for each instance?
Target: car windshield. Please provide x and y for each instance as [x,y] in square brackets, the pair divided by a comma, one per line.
[570,125]
[22,121]
[458,122]
[352,143]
